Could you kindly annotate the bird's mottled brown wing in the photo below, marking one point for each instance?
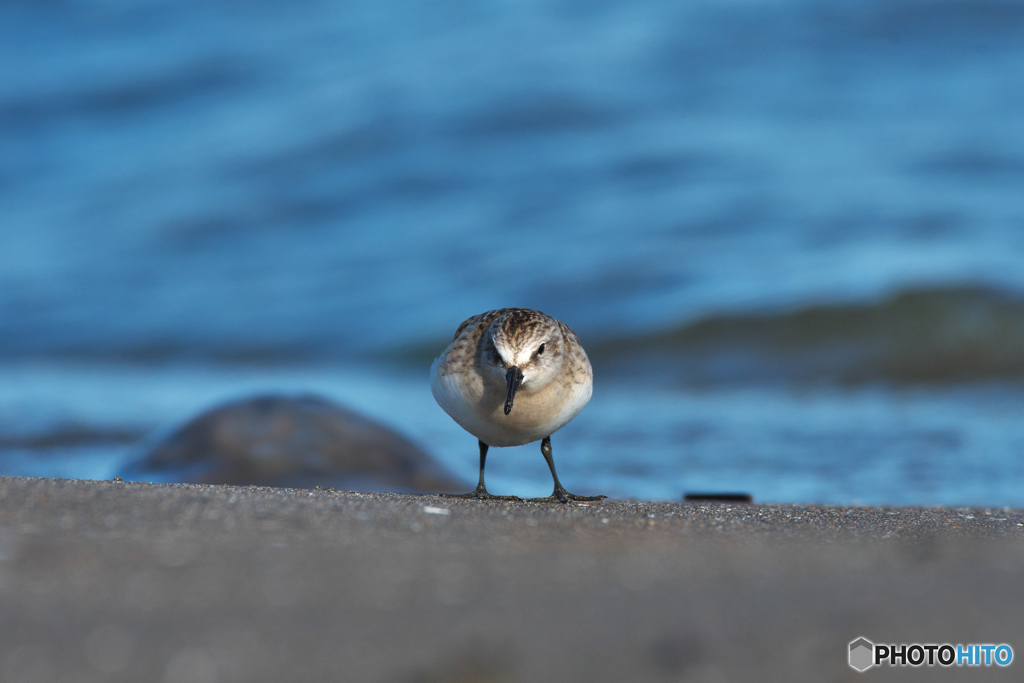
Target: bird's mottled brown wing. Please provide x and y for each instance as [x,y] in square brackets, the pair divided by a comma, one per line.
[457,358]
[565,328]
[485,318]
[578,365]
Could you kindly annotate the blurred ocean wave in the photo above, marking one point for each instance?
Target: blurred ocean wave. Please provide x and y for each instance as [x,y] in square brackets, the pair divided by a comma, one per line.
[919,336]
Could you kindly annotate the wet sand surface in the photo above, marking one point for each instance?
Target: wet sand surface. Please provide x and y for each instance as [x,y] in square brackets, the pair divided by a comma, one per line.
[111,581]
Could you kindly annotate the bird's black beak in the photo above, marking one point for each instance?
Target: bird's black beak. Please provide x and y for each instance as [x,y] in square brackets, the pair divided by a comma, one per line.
[514,377]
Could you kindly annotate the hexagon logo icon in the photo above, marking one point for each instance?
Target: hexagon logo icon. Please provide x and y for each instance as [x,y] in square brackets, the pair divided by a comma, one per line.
[862,654]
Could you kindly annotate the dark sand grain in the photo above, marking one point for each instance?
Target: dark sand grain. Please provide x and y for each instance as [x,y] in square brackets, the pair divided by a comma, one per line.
[103,581]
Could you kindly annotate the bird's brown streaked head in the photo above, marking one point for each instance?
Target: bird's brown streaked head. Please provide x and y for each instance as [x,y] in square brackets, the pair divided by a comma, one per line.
[528,342]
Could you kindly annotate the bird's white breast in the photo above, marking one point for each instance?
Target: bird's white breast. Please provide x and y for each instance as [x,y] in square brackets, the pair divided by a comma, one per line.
[477,406]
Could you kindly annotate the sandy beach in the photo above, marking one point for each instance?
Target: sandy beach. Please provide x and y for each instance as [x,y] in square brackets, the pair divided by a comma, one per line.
[111,581]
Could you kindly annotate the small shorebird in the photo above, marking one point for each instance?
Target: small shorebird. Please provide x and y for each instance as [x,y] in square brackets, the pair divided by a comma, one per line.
[510,377]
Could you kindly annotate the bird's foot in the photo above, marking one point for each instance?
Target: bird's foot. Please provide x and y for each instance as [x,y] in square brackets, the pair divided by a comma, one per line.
[560,495]
[479,493]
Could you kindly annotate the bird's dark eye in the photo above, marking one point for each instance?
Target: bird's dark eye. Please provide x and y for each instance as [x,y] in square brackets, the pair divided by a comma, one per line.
[541,349]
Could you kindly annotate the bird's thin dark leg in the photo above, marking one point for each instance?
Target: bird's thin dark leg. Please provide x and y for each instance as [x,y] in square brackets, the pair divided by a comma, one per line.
[480,492]
[559,494]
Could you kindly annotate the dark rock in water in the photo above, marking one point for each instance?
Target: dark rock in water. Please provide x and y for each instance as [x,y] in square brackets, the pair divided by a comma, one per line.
[301,441]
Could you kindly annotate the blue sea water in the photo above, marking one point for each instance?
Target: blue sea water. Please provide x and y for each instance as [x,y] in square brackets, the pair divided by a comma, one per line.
[841,446]
[203,199]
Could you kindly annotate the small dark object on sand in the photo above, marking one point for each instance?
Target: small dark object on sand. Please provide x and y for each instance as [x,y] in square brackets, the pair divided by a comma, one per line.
[291,441]
[719,497]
